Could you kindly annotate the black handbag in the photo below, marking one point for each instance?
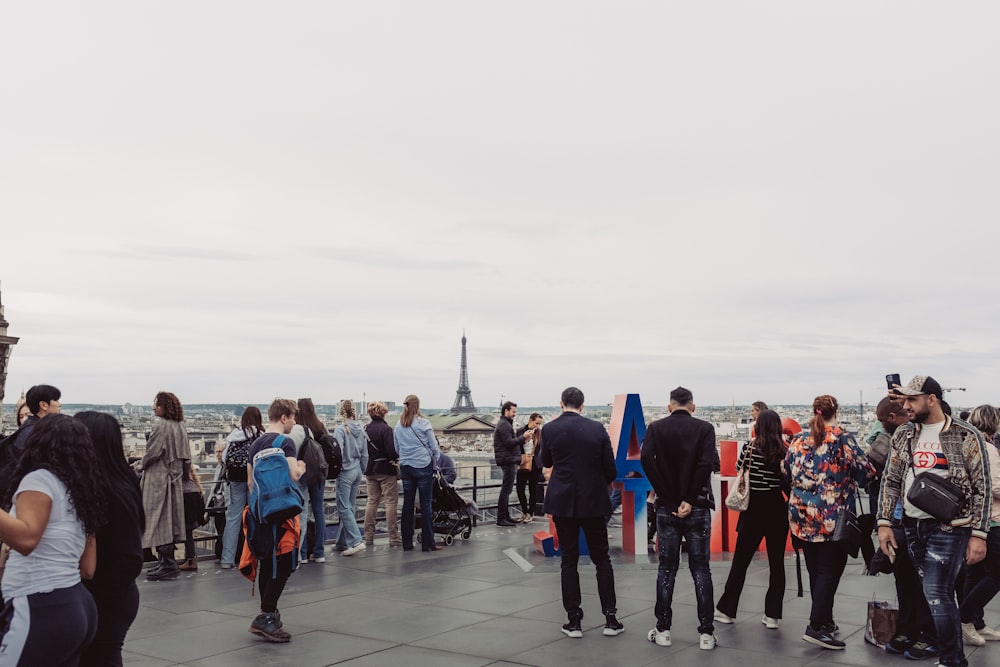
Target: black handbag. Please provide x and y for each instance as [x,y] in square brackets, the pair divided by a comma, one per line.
[937,496]
[848,531]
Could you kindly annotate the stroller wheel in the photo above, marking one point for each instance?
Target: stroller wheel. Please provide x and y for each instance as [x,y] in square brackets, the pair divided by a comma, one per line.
[467,534]
[449,540]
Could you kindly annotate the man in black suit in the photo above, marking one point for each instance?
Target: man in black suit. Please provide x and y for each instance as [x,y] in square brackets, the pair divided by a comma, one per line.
[678,456]
[579,452]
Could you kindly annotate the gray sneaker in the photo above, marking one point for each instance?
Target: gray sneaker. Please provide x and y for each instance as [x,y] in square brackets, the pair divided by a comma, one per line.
[266,625]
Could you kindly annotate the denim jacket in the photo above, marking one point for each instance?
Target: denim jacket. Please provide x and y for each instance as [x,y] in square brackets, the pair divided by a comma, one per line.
[968,467]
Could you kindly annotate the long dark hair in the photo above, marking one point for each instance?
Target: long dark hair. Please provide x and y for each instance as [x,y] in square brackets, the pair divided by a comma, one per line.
[120,480]
[252,423]
[62,445]
[768,440]
[824,409]
[307,417]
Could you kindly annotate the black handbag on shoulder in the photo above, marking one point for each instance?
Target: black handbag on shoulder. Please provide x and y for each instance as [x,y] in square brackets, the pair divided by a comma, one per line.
[848,531]
[937,496]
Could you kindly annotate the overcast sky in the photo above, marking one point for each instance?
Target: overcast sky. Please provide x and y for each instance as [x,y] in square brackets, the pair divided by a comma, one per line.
[756,200]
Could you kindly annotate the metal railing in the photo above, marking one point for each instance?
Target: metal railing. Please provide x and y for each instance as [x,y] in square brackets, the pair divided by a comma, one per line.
[480,486]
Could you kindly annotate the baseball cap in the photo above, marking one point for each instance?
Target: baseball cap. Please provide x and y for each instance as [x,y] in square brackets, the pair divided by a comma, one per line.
[920,384]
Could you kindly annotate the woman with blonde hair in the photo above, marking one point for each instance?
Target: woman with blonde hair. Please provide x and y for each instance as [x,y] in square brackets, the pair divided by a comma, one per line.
[383,462]
[354,447]
[168,455]
[418,458]
[825,467]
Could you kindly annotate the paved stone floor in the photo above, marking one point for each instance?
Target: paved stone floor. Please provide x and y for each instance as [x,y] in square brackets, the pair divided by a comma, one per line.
[491,600]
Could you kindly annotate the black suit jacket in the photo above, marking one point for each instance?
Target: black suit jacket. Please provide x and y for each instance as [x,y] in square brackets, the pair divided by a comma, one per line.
[579,452]
[678,457]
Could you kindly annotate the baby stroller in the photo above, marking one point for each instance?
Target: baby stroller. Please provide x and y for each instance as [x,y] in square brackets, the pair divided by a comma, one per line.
[452,513]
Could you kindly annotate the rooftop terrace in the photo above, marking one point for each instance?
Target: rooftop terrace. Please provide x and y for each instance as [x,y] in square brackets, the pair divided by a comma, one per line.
[491,600]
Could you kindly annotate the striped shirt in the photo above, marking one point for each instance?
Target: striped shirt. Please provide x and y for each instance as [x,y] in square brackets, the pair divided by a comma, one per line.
[762,478]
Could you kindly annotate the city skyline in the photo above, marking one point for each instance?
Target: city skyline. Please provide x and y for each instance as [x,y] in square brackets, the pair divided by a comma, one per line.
[758,202]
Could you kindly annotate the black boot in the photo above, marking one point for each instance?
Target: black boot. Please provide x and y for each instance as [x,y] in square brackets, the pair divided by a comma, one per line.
[168,568]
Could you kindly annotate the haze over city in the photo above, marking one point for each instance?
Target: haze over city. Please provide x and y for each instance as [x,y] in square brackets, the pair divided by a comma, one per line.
[237,201]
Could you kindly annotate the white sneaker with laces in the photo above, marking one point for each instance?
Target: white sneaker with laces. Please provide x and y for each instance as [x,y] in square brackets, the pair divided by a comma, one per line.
[360,546]
[970,635]
[659,637]
[989,634]
[707,642]
[769,623]
[723,618]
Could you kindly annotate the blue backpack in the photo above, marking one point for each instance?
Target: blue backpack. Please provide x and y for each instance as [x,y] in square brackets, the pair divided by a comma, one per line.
[274,499]
[275,496]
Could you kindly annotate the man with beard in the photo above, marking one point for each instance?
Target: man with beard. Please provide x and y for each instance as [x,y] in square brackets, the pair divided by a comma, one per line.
[935,443]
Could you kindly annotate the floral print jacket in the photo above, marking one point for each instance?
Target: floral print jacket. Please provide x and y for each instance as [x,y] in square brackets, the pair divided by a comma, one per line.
[823,479]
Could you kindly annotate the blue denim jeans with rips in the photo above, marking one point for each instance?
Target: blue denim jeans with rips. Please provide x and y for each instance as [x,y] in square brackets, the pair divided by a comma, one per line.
[938,552]
[696,530]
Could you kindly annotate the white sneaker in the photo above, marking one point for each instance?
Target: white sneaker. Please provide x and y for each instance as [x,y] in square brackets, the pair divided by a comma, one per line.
[320,559]
[970,636]
[360,546]
[662,638]
[707,642]
[722,618]
[769,623]
[989,634]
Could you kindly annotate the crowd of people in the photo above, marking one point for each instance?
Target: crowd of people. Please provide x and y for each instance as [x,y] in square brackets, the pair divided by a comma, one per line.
[76,546]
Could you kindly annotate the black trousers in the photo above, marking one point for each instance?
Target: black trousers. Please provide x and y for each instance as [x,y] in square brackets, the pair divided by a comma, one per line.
[530,479]
[826,562]
[596,533]
[116,610]
[765,519]
[271,586]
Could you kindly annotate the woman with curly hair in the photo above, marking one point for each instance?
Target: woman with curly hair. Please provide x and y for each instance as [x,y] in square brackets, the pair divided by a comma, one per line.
[766,518]
[119,542]
[168,455]
[825,468]
[49,617]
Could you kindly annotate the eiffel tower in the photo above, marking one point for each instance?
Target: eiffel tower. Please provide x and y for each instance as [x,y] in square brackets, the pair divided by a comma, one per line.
[463,397]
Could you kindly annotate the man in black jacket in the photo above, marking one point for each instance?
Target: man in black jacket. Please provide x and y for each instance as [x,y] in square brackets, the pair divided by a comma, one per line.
[42,400]
[579,452]
[678,456]
[507,449]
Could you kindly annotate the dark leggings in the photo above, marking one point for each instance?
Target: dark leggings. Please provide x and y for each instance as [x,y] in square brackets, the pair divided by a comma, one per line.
[48,628]
[530,479]
[115,612]
[270,588]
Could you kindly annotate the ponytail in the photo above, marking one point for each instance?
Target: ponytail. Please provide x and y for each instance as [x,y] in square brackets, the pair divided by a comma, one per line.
[824,409]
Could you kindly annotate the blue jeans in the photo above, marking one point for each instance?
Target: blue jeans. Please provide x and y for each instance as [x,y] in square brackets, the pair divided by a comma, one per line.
[696,530]
[415,479]
[348,484]
[314,494]
[938,556]
[234,521]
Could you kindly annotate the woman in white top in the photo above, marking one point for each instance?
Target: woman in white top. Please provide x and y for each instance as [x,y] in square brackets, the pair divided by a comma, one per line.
[48,616]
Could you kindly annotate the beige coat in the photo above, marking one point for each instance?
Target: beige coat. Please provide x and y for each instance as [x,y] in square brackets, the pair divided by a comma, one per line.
[168,456]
